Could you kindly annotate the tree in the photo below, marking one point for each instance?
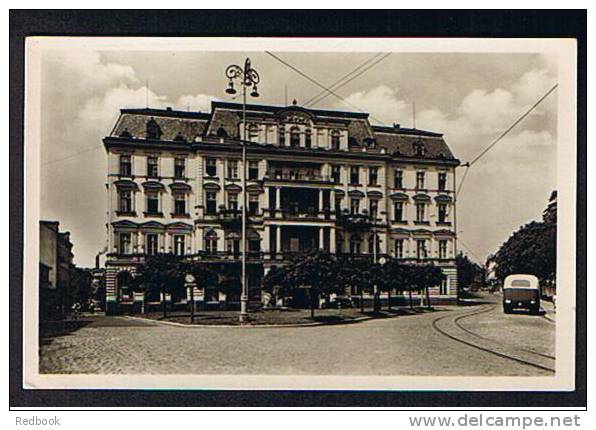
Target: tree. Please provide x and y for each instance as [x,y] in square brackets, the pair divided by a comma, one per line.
[467,271]
[276,282]
[532,249]
[164,273]
[315,270]
[394,277]
[430,276]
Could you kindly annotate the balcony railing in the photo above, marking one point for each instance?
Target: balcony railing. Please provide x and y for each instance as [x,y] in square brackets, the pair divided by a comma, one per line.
[297,177]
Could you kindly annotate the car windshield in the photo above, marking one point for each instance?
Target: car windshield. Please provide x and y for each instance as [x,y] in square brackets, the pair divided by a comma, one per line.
[520,283]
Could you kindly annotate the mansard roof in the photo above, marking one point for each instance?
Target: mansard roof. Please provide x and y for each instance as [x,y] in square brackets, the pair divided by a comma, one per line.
[224,120]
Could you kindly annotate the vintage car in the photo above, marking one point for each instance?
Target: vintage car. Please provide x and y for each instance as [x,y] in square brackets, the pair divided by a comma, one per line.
[521,292]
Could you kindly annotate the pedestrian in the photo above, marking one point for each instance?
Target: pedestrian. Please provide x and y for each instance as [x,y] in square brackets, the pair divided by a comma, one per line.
[76,310]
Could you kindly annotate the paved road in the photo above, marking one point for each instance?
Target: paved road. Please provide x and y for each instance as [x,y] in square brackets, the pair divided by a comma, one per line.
[406,345]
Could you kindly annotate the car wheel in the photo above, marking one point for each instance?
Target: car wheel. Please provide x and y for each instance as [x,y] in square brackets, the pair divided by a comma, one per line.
[507,309]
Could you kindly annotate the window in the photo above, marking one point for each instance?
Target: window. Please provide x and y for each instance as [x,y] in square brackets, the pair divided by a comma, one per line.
[233,201]
[125,165]
[398,180]
[211,203]
[354,175]
[354,206]
[152,168]
[179,167]
[419,148]
[398,211]
[151,244]
[179,244]
[373,208]
[253,170]
[152,202]
[294,137]
[233,247]
[420,248]
[253,133]
[125,246]
[355,244]
[179,204]
[308,138]
[153,130]
[336,174]
[419,180]
[374,242]
[253,205]
[211,242]
[373,175]
[282,136]
[442,181]
[338,200]
[335,140]
[232,169]
[211,166]
[126,201]
[254,245]
[420,212]
[399,248]
[442,249]
[442,212]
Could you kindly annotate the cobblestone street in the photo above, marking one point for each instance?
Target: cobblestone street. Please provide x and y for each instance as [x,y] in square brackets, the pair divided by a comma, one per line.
[406,345]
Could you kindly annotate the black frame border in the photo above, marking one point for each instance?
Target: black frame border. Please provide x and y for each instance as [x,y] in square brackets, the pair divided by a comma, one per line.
[291,23]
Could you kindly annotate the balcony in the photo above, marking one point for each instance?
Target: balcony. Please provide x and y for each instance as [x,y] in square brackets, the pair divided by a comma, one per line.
[355,221]
[297,176]
[229,217]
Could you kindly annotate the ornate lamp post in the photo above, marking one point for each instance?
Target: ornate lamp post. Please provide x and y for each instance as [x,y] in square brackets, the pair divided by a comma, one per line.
[247,77]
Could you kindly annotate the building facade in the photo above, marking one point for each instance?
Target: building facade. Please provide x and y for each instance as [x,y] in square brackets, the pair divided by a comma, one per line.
[315,179]
[55,270]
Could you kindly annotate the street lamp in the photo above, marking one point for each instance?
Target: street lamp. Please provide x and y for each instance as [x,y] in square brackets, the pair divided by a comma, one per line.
[247,77]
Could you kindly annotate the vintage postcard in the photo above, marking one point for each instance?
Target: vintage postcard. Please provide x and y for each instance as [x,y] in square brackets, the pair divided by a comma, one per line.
[276,213]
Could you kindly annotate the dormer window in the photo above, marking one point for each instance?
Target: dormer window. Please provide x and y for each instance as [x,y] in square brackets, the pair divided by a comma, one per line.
[294,137]
[420,150]
[335,140]
[308,138]
[221,132]
[153,130]
[253,133]
[125,133]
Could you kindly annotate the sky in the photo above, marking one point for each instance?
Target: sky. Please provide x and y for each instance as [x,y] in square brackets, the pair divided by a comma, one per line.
[471,98]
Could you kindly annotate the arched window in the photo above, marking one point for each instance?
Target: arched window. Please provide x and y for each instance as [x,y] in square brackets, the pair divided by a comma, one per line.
[211,242]
[253,133]
[420,150]
[294,137]
[308,138]
[335,140]
[153,130]
[124,284]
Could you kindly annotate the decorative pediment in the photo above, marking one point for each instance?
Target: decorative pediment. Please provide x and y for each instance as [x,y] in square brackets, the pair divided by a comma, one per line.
[211,186]
[126,184]
[153,185]
[180,226]
[233,188]
[181,187]
[422,232]
[444,233]
[339,193]
[375,194]
[356,193]
[399,196]
[254,189]
[124,224]
[154,225]
[421,197]
[400,232]
[295,115]
[443,198]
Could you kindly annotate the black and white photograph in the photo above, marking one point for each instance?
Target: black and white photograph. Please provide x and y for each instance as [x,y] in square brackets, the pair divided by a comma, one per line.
[253,213]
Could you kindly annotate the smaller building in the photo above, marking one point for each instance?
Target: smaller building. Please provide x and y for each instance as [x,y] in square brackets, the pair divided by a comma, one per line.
[55,270]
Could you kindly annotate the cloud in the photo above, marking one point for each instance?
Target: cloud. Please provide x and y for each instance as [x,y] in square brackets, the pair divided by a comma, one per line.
[382,102]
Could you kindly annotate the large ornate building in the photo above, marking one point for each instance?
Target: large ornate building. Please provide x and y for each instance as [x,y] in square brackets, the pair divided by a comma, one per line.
[315,179]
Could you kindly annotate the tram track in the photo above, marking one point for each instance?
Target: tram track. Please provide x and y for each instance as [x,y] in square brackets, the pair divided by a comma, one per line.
[451,327]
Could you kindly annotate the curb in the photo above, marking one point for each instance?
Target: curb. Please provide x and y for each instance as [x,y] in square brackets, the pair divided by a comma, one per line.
[315,324]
